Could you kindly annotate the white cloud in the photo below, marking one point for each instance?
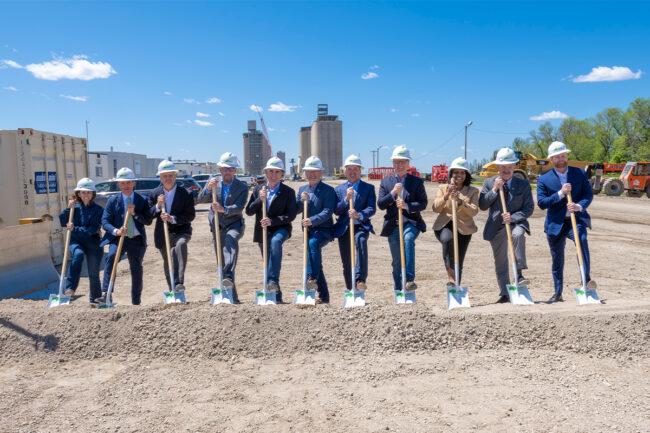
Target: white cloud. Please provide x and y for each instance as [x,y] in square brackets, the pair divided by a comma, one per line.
[272,129]
[75,98]
[279,106]
[255,108]
[213,101]
[203,123]
[167,93]
[190,101]
[374,67]
[394,110]
[12,88]
[369,76]
[128,143]
[415,115]
[433,68]
[178,124]
[188,121]
[550,115]
[75,68]
[199,114]
[603,73]
[225,131]
[221,114]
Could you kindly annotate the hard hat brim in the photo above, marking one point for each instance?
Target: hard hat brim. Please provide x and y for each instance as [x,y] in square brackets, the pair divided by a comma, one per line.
[458,167]
[86,189]
[505,162]
[313,169]
[400,157]
[273,168]
[223,165]
[559,153]
[167,171]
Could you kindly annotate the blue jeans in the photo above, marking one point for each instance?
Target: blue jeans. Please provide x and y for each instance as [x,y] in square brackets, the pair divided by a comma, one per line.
[93,253]
[134,249]
[317,240]
[557,244]
[410,235]
[361,265]
[274,247]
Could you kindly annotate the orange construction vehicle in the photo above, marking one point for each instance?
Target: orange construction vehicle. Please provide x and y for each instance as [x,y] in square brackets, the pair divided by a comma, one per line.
[634,180]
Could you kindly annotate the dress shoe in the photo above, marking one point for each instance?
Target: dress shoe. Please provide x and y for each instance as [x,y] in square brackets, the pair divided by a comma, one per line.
[591,284]
[555,298]
[450,284]
[361,285]
[272,286]
[320,301]
[179,288]
[410,285]
[228,283]
[503,299]
[523,281]
[312,284]
[69,292]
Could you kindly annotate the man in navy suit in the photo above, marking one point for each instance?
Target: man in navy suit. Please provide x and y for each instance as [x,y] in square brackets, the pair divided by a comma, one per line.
[321,200]
[364,203]
[403,193]
[280,202]
[135,243]
[552,190]
[173,204]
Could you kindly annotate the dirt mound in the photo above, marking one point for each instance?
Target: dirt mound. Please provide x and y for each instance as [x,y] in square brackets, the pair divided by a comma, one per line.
[199,330]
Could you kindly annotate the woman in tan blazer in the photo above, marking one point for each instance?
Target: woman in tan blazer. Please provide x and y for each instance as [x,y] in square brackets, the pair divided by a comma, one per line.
[459,188]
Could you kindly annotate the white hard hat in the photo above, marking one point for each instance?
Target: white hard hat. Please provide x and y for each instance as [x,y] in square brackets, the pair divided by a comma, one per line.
[557,148]
[313,163]
[401,152]
[124,174]
[85,184]
[228,159]
[353,160]
[166,166]
[506,156]
[460,163]
[274,163]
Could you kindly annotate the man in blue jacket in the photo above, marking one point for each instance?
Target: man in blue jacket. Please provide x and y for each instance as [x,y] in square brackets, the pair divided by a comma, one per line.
[552,190]
[228,212]
[135,243]
[321,200]
[364,203]
[404,193]
[172,203]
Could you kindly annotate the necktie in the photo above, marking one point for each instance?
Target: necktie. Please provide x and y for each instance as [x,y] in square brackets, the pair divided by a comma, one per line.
[130,228]
[506,190]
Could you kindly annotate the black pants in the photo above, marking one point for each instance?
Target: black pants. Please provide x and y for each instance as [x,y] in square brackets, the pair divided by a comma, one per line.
[446,238]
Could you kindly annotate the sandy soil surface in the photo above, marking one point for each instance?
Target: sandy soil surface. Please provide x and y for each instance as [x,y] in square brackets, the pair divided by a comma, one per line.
[493,367]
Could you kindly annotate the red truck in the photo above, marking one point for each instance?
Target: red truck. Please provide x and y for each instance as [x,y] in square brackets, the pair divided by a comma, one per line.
[378,173]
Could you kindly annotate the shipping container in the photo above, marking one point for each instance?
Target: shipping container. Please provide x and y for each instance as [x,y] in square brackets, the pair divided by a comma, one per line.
[38,173]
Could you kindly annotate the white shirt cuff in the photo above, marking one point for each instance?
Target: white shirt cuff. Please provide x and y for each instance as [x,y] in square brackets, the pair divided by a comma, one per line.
[560,194]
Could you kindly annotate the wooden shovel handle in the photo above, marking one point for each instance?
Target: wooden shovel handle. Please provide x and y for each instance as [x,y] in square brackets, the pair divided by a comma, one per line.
[401,238]
[454,223]
[217,234]
[170,265]
[576,236]
[68,234]
[353,249]
[304,231]
[264,235]
[511,248]
[120,243]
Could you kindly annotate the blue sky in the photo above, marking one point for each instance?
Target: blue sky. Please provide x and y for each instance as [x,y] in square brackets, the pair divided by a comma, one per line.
[142,72]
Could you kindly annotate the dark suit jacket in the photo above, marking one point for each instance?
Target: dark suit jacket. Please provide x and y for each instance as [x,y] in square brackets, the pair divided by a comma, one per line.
[548,186]
[235,203]
[113,217]
[182,209]
[519,203]
[321,206]
[415,197]
[281,212]
[87,220]
[365,204]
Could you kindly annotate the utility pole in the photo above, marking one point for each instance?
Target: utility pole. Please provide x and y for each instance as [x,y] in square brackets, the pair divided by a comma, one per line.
[466,126]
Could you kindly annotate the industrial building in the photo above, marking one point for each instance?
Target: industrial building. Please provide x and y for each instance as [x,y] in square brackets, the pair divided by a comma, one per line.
[256,150]
[325,140]
[283,156]
[104,165]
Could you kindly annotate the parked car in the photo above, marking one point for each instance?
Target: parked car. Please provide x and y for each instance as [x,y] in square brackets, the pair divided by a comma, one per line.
[249,180]
[261,180]
[143,186]
[202,179]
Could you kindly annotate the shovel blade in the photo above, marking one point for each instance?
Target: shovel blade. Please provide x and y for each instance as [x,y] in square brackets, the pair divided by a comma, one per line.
[265,298]
[56,300]
[304,297]
[404,297]
[457,297]
[586,296]
[519,295]
[174,297]
[354,298]
[221,296]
